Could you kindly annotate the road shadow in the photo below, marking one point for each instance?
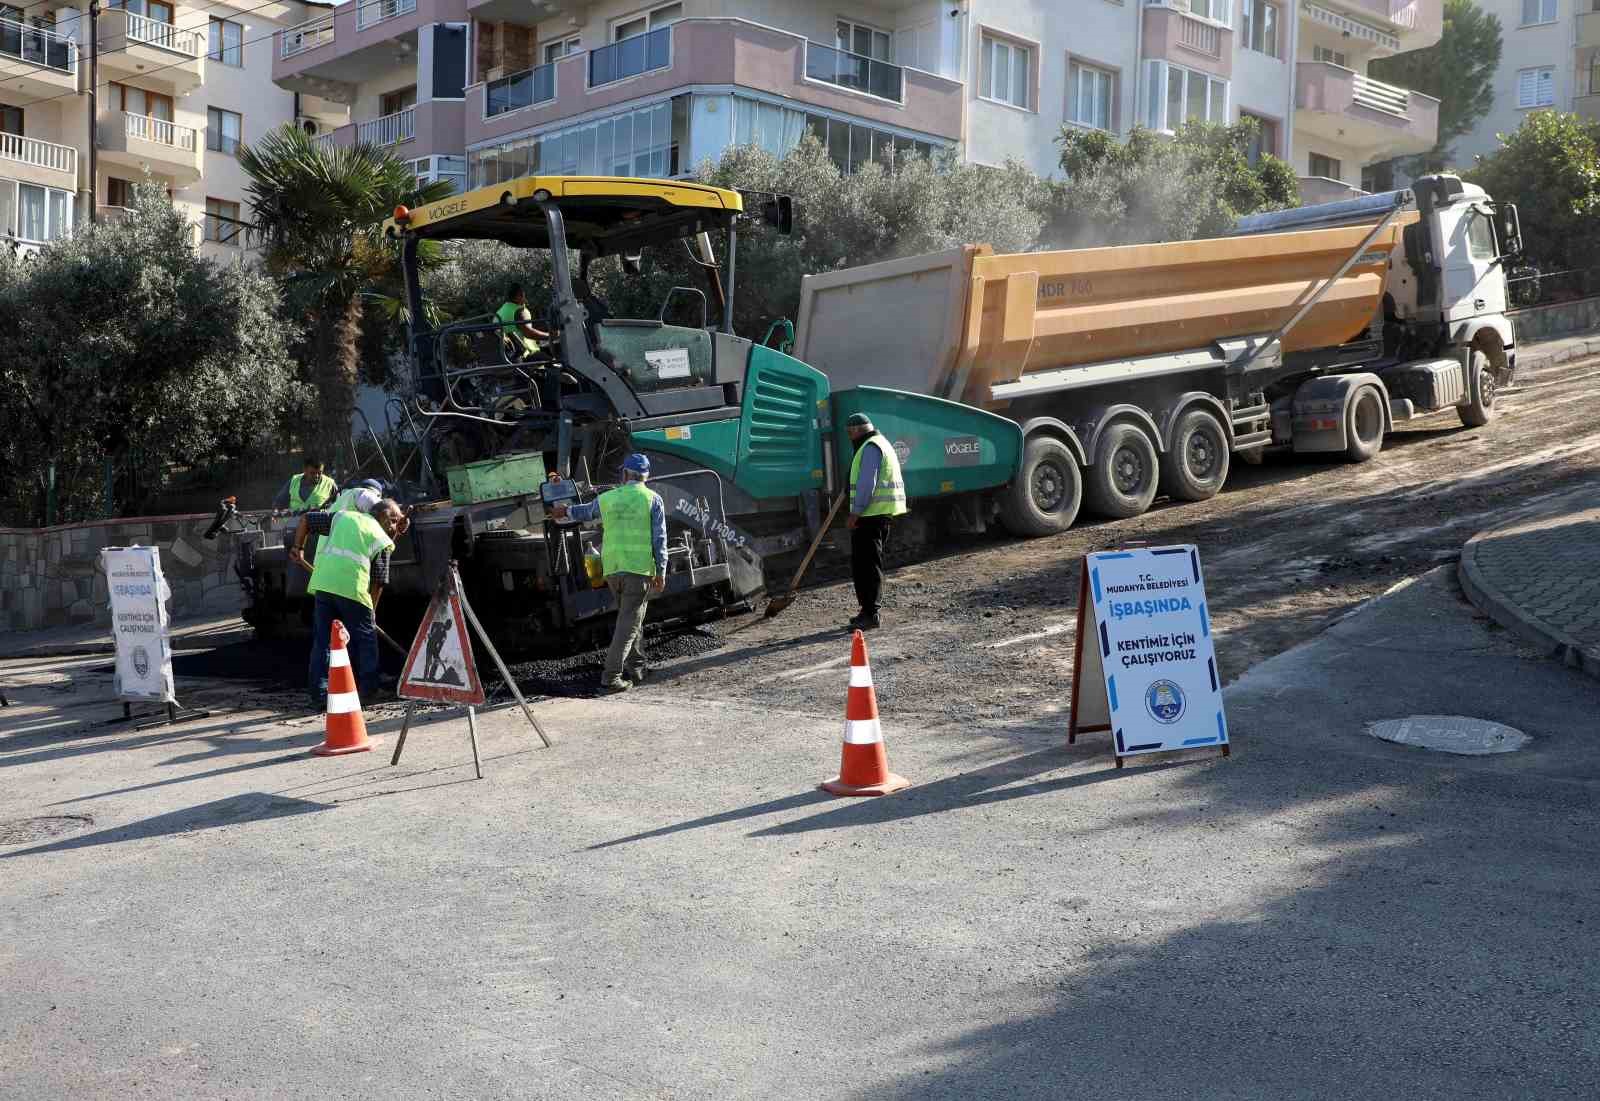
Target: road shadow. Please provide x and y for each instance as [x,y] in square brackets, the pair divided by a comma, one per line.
[755,810]
[255,806]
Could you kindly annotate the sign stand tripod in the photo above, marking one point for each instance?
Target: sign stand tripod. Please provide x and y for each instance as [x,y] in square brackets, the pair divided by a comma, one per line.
[440,666]
[1144,666]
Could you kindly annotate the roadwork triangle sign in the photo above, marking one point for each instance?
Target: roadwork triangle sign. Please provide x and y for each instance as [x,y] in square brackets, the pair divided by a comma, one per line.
[440,666]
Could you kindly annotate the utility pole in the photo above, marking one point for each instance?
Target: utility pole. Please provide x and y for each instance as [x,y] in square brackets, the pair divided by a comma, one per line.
[94,111]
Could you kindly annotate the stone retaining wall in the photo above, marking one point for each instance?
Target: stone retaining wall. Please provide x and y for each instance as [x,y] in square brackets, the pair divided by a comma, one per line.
[50,576]
[1558,319]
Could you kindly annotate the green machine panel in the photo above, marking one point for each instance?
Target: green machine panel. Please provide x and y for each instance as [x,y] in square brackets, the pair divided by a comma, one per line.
[785,403]
[945,447]
[711,444]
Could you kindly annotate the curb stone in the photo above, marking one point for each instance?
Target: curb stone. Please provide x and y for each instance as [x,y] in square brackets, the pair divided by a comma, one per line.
[1503,610]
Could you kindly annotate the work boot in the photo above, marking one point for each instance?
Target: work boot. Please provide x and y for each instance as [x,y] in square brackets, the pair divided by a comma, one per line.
[615,685]
[866,621]
[637,676]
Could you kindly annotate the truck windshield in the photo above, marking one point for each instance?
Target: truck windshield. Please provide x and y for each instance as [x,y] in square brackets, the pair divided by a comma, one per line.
[1480,236]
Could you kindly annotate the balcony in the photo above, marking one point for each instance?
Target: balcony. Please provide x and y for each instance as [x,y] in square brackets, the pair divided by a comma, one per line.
[844,69]
[52,60]
[1351,111]
[1414,23]
[38,162]
[137,46]
[1320,189]
[430,128]
[716,53]
[142,143]
[1588,29]
[332,55]
[1172,33]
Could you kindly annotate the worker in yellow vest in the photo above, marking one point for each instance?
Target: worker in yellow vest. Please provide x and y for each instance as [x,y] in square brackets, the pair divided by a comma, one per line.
[308,490]
[633,556]
[877,495]
[517,331]
[351,569]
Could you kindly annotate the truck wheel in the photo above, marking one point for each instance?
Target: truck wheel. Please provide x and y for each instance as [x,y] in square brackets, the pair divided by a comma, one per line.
[1122,482]
[1196,464]
[1045,497]
[1364,425]
[1480,387]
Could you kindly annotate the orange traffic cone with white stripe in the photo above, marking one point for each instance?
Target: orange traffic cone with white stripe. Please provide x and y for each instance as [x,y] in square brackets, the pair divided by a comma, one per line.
[346,730]
[864,764]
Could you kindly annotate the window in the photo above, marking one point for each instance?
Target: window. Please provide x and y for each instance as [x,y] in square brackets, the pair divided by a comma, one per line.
[119,192]
[137,101]
[222,223]
[851,146]
[1210,9]
[223,130]
[555,51]
[227,42]
[1177,95]
[10,120]
[1090,92]
[41,213]
[158,10]
[1007,74]
[392,103]
[866,41]
[1328,168]
[1536,87]
[1332,57]
[1538,11]
[646,22]
[1265,140]
[1261,20]
[1480,236]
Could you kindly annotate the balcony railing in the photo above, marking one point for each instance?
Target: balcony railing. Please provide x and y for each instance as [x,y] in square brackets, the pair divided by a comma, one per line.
[161,132]
[153,32]
[1199,36]
[524,89]
[38,47]
[389,129]
[372,12]
[643,53]
[40,154]
[1379,96]
[306,36]
[855,71]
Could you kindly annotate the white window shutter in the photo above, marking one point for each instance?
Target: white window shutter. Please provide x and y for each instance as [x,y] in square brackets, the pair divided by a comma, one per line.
[1527,88]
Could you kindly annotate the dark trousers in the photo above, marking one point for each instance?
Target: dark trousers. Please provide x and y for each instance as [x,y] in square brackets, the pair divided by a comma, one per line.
[867,540]
[363,645]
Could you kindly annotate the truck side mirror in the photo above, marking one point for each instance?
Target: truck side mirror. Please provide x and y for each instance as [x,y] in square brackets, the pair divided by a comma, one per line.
[1510,232]
[633,263]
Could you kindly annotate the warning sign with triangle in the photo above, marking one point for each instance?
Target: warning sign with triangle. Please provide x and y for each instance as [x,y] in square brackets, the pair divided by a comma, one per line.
[440,665]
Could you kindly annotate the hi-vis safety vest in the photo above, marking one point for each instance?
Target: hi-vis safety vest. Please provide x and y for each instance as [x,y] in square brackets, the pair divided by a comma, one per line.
[325,487]
[509,315]
[344,560]
[889,493]
[625,520]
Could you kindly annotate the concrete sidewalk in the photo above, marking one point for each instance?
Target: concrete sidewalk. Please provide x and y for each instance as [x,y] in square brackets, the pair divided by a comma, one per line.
[1540,578]
[203,632]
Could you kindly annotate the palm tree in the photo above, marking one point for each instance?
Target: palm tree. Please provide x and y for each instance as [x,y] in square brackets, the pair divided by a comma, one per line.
[319,211]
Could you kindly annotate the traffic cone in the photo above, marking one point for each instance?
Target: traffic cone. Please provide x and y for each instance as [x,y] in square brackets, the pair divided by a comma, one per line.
[346,730]
[863,765]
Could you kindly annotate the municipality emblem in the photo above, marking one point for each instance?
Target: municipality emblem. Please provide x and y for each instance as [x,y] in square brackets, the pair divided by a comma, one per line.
[141,661]
[1164,701]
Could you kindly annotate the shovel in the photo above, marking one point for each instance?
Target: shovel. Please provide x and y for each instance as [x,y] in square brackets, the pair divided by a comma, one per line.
[382,634]
[779,603]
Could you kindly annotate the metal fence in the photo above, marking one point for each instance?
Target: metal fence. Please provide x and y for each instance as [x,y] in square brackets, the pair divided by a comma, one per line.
[1527,285]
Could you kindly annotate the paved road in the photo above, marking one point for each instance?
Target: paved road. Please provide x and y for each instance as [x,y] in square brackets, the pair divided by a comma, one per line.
[663,907]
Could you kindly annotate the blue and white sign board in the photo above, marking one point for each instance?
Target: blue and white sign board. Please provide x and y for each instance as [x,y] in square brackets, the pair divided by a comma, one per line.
[139,597]
[1144,636]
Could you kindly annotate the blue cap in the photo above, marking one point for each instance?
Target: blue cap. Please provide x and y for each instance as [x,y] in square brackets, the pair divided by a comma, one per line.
[638,464]
[373,484]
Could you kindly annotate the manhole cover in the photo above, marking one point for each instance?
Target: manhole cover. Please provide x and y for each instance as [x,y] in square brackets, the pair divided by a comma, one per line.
[1450,734]
[24,831]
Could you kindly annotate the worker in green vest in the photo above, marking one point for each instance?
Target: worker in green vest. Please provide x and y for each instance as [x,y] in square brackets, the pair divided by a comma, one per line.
[351,569]
[877,495]
[516,320]
[633,556]
[308,490]
[363,495]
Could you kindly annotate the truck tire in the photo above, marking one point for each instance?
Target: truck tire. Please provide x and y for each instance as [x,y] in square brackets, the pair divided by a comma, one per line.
[1363,425]
[1045,497]
[1122,481]
[1480,388]
[1196,462]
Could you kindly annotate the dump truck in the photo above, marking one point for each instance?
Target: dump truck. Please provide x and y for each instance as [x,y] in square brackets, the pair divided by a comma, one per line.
[1141,369]
[746,442]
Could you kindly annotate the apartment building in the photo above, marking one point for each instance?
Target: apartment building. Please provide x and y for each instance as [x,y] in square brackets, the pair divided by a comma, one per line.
[489,90]
[180,88]
[1549,60]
